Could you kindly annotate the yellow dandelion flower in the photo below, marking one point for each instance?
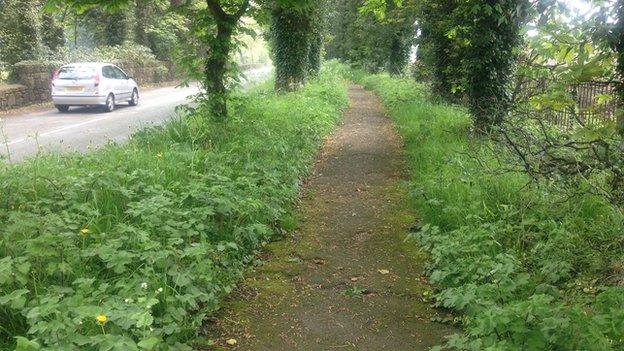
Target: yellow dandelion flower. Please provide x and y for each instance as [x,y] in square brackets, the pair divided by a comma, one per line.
[85,231]
[101,318]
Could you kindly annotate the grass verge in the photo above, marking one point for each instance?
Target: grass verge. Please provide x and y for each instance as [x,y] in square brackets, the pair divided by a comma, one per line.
[132,246]
[526,267]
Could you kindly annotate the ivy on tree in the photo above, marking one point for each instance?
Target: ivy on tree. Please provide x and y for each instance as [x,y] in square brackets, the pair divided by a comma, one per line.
[492,33]
[289,33]
[220,46]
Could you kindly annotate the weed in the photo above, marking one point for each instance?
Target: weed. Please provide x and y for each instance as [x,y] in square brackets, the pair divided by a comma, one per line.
[355,291]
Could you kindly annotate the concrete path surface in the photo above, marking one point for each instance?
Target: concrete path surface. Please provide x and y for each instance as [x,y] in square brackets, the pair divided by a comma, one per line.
[345,279]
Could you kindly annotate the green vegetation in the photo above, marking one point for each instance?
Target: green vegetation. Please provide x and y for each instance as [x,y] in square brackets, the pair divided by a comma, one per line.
[27,32]
[527,266]
[20,31]
[470,48]
[377,37]
[210,33]
[290,45]
[617,41]
[127,56]
[132,246]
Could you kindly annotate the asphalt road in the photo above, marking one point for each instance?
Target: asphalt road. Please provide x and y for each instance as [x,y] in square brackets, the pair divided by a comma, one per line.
[83,128]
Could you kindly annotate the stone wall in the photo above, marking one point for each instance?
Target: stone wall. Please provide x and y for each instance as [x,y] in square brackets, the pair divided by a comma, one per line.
[33,80]
[13,96]
[155,72]
[37,77]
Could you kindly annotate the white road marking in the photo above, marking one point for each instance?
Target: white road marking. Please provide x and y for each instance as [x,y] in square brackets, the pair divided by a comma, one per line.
[19,132]
[60,129]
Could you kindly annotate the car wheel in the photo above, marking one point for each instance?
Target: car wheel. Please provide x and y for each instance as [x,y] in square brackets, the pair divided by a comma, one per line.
[62,108]
[110,103]
[134,100]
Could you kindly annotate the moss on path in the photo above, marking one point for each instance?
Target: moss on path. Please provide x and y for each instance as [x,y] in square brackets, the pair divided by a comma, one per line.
[345,280]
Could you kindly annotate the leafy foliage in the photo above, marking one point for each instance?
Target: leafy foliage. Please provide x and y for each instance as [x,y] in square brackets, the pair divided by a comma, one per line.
[20,31]
[118,27]
[491,35]
[439,53]
[528,266]
[121,53]
[214,26]
[53,35]
[375,37]
[290,35]
[564,51]
[471,48]
[132,246]
[618,32]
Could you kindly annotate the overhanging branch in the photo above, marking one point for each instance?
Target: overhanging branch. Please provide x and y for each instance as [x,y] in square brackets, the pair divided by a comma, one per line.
[220,13]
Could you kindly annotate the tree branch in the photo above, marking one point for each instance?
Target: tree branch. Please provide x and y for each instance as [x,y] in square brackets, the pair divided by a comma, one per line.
[241,11]
[221,15]
[217,10]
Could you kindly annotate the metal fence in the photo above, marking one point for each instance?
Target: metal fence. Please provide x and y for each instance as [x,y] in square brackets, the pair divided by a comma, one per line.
[593,102]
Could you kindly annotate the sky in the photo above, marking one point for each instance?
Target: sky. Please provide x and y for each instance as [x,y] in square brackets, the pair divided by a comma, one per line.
[579,8]
[583,7]
[579,5]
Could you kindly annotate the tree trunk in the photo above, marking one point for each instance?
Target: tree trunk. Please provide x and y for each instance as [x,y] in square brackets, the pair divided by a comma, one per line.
[216,69]
[619,47]
[141,13]
[314,54]
[219,48]
[290,36]
[399,51]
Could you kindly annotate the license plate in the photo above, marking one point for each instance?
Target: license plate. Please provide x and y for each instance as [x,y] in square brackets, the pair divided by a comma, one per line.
[74,89]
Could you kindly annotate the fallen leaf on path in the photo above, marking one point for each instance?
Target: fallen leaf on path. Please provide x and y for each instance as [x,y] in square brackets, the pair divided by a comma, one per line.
[231,342]
[319,261]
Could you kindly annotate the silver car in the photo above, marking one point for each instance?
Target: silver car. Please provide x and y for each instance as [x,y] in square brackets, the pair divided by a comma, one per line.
[101,84]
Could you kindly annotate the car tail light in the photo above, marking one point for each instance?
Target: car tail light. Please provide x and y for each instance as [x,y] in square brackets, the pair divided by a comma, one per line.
[97,79]
[55,75]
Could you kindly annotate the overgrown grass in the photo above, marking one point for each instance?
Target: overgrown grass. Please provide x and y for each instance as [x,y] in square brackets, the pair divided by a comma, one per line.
[526,267]
[150,235]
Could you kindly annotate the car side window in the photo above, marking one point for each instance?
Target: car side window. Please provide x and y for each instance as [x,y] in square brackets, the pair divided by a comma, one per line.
[108,72]
[119,73]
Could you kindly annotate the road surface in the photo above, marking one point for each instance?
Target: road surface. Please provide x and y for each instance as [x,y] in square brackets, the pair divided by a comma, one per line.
[22,135]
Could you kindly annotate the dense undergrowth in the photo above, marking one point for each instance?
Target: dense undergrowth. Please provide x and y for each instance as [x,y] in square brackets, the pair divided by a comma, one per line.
[527,267]
[132,246]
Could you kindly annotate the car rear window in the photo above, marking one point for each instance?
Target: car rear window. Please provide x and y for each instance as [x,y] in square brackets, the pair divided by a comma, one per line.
[72,72]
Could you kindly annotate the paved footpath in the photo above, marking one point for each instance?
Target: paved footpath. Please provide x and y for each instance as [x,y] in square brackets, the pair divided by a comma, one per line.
[345,280]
